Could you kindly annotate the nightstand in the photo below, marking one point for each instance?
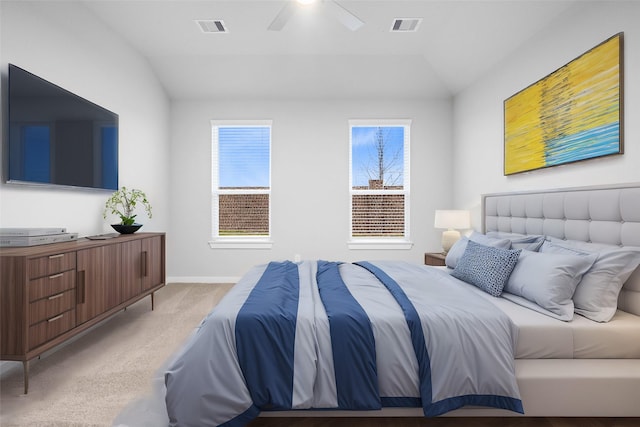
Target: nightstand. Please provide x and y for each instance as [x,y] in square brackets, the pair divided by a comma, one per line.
[434,258]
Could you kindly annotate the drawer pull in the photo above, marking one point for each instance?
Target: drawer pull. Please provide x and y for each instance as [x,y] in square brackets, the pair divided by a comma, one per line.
[53,319]
[55,276]
[145,263]
[56,256]
[52,297]
[80,286]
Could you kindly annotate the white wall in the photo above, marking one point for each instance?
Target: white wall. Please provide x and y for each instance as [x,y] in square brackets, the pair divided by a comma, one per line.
[310,184]
[65,44]
[478,111]
[166,151]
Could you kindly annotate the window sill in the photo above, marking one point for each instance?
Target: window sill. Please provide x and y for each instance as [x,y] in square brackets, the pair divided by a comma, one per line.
[379,244]
[240,244]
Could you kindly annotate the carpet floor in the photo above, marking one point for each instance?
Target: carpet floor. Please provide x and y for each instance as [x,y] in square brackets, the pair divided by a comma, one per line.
[112,375]
[89,381]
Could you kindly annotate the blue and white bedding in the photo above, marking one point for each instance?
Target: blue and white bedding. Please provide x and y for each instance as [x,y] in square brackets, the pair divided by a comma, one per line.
[326,335]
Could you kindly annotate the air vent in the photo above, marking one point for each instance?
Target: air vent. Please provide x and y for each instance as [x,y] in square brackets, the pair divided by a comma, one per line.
[212,26]
[405,25]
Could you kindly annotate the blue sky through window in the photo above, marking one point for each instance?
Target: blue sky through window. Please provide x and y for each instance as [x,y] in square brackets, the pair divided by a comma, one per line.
[244,156]
[364,154]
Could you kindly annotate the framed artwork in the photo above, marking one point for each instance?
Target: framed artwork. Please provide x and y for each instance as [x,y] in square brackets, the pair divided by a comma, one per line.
[573,114]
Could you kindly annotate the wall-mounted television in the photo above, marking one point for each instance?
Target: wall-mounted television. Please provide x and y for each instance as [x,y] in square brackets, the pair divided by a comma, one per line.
[58,138]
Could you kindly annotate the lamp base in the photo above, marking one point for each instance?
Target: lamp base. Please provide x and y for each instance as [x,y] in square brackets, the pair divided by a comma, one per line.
[449,237]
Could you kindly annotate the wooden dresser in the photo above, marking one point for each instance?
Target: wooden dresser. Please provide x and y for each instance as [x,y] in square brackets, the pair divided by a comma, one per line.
[50,293]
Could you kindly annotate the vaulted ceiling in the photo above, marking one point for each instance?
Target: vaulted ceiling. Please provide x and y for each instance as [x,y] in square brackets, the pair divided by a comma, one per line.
[315,55]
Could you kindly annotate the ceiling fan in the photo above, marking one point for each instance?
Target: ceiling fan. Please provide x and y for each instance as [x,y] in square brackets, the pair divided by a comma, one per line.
[345,17]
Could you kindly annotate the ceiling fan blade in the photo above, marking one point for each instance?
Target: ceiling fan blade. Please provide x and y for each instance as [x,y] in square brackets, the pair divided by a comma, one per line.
[282,17]
[347,18]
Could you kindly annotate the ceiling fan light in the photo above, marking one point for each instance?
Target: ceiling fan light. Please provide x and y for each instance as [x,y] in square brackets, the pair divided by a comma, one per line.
[305,2]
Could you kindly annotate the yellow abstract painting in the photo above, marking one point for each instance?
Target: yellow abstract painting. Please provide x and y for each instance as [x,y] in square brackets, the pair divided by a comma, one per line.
[573,114]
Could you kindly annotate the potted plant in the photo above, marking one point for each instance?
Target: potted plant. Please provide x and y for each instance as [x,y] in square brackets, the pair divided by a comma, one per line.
[123,204]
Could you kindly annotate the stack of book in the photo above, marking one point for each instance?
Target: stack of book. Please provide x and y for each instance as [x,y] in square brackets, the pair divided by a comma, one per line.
[23,236]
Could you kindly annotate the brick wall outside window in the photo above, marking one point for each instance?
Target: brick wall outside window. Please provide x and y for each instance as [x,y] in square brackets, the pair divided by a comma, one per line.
[243,214]
[377,215]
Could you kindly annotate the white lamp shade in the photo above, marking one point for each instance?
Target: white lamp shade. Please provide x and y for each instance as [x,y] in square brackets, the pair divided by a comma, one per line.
[454,219]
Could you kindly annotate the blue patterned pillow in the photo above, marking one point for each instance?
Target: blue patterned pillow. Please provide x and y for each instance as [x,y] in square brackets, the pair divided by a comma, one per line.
[486,267]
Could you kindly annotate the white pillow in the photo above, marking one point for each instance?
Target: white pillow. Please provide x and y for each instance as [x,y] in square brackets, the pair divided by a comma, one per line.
[596,296]
[530,242]
[548,281]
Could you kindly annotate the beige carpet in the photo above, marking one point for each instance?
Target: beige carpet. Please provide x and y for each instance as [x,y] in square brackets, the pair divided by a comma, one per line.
[90,381]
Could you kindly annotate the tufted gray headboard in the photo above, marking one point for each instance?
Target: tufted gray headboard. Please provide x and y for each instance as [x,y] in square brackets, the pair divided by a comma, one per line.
[602,214]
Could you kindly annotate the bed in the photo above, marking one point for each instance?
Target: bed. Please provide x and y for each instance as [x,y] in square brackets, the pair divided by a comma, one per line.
[380,338]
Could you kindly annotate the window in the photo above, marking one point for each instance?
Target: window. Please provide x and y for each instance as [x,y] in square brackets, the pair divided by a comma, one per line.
[379,184]
[241,184]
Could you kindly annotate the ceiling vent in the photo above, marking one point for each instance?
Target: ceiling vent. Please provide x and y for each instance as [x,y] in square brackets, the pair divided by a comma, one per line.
[212,26]
[405,25]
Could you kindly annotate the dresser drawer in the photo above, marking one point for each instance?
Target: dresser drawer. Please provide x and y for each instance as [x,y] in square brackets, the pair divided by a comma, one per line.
[51,328]
[51,285]
[52,264]
[47,308]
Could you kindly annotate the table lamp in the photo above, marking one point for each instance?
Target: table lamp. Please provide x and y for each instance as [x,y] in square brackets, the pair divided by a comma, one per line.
[452,220]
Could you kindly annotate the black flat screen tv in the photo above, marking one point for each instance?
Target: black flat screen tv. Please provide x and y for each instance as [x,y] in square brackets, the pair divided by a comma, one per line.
[58,138]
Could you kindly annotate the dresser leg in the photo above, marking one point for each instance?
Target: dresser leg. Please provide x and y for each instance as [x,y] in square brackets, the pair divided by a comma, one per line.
[152,293]
[25,368]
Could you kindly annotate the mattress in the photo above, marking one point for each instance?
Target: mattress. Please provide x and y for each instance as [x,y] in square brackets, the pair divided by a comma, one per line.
[543,337]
